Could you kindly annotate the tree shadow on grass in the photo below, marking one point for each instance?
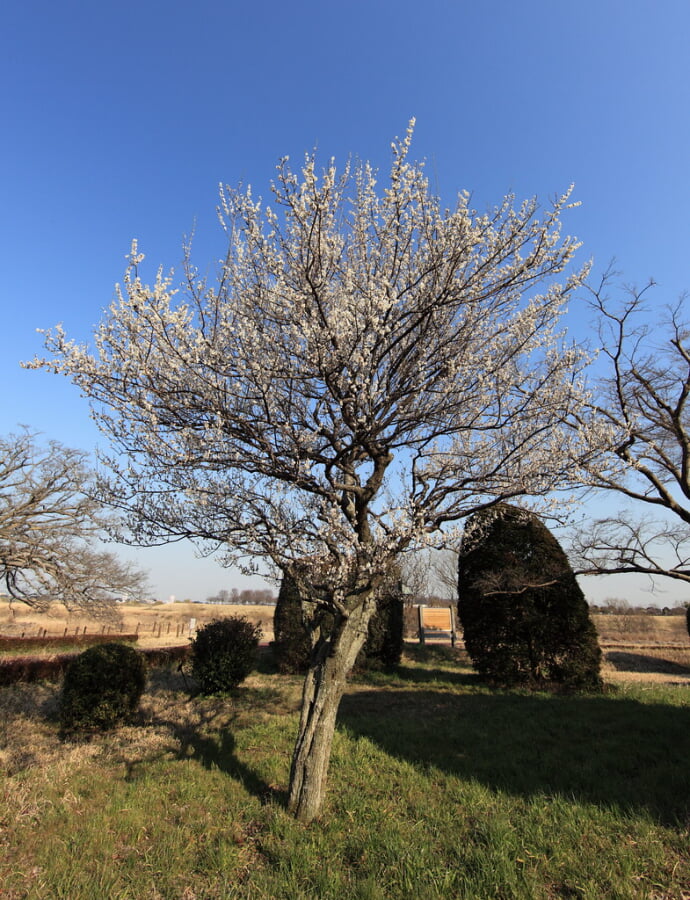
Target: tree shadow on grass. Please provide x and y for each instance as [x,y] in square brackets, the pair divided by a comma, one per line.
[204,729]
[624,661]
[219,752]
[436,676]
[424,664]
[608,751]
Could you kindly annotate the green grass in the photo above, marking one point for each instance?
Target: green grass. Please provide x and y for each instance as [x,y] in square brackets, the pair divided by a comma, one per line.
[439,788]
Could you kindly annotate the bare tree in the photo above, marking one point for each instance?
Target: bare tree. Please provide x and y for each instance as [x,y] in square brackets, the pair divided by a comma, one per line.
[643,403]
[368,369]
[445,573]
[431,572]
[47,524]
[416,575]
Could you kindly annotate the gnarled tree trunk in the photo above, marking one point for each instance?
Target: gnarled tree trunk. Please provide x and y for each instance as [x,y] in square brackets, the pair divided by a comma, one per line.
[324,685]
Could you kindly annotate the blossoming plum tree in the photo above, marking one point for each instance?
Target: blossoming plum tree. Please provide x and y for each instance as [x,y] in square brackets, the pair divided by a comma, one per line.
[366,370]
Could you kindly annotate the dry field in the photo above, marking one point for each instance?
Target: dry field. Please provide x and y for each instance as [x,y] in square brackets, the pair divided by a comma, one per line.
[637,648]
[641,629]
[158,624]
[640,648]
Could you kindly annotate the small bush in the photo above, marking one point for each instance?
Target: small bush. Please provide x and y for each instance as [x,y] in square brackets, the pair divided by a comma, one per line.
[224,653]
[102,687]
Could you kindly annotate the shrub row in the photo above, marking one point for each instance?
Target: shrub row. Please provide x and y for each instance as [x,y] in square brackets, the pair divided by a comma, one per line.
[55,642]
[103,685]
[50,668]
[159,657]
[33,668]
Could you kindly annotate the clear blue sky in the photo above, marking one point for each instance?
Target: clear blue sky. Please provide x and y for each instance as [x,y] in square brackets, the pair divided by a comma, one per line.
[120,119]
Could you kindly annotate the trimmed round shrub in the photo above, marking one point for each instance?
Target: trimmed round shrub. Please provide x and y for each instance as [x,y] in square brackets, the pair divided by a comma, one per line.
[224,653]
[102,687]
[292,644]
[524,617]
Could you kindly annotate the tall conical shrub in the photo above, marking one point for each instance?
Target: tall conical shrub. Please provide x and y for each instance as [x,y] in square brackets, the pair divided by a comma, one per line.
[525,619]
[384,643]
[292,620]
[291,643]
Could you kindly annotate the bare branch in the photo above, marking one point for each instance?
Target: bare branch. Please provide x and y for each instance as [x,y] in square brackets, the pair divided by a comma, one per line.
[368,369]
[642,403]
[48,519]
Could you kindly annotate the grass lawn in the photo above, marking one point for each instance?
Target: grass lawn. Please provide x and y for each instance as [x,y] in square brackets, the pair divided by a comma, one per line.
[439,788]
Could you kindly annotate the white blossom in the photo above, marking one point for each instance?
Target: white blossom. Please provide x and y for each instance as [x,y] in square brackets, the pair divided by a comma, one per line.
[367,370]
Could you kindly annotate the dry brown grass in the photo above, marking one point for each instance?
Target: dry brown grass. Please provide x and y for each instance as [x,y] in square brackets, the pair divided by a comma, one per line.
[158,624]
[168,724]
[652,664]
[637,648]
[641,648]
[641,629]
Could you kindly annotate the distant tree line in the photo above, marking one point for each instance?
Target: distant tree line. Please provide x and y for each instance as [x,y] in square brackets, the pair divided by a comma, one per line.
[615,607]
[247,597]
